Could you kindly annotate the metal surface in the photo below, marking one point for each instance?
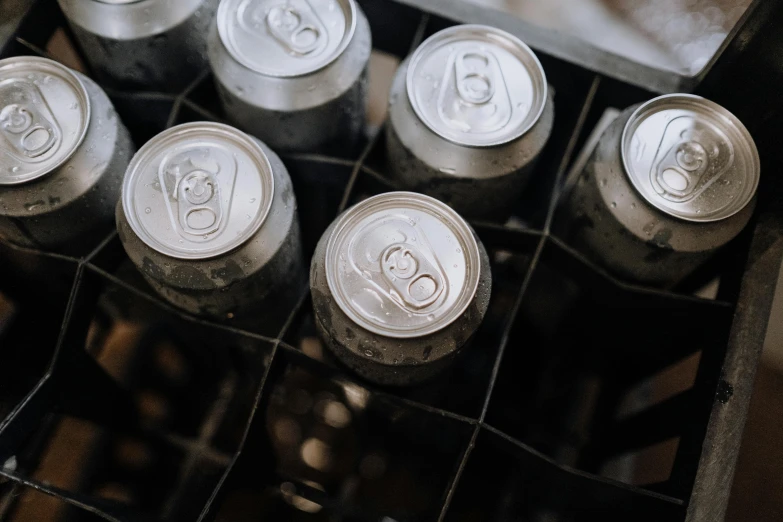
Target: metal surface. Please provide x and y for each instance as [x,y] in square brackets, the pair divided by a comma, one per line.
[293,101]
[479,182]
[296,38]
[151,44]
[246,270]
[400,285]
[691,158]
[606,217]
[198,190]
[129,19]
[44,115]
[65,201]
[402,265]
[476,86]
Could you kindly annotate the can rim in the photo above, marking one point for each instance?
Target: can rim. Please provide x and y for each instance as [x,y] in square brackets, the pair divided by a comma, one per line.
[527,57]
[452,220]
[255,152]
[123,20]
[719,111]
[76,83]
[225,40]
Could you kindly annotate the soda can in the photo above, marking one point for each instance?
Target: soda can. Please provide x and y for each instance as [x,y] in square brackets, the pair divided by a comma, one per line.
[208,216]
[146,44]
[63,152]
[293,73]
[669,183]
[469,113]
[400,283]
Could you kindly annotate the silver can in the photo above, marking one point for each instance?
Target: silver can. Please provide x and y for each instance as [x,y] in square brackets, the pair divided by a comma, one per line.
[293,73]
[469,114]
[147,44]
[63,152]
[400,283]
[208,215]
[668,184]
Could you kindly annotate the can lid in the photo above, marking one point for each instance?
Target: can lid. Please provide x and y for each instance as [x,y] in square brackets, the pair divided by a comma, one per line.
[286,38]
[198,190]
[476,85]
[119,2]
[44,116]
[402,264]
[690,158]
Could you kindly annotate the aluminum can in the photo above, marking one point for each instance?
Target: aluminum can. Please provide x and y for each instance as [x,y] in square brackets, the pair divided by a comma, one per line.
[668,184]
[469,113]
[63,153]
[400,283]
[144,44]
[208,215]
[293,72]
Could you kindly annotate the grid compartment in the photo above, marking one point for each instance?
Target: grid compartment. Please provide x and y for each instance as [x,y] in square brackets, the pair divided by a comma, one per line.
[324,445]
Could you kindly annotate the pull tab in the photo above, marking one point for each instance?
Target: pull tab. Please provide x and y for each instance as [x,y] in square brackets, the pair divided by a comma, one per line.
[198,198]
[696,157]
[23,123]
[413,278]
[473,95]
[297,30]
[475,78]
[195,180]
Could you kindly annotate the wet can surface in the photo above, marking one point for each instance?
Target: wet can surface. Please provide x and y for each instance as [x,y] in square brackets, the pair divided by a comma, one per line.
[669,183]
[400,283]
[146,44]
[293,73]
[63,153]
[208,215]
[469,113]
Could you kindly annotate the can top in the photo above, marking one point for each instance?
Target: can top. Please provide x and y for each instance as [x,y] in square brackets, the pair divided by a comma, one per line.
[476,85]
[198,190]
[119,2]
[286,38]
[690,158]
[44,116]
[402,264]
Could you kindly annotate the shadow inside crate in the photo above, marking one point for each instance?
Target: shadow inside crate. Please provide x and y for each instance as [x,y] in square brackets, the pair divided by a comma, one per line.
[585,377]
[323,446]
[145,409]
[35,289]
[520,484]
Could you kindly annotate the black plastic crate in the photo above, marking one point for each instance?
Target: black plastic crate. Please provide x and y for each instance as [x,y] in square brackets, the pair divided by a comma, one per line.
[118,407]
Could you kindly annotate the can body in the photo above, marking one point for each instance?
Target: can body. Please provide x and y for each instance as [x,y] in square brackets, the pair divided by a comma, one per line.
[480,179]
[606,218]
[389,356]
[151,45]
[70,208]
[255,284]
[310,109]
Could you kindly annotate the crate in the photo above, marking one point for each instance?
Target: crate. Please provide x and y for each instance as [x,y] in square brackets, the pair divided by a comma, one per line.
[581,398]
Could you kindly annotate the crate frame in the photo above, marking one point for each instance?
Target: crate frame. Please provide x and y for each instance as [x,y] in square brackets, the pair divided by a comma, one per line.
[707,453]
